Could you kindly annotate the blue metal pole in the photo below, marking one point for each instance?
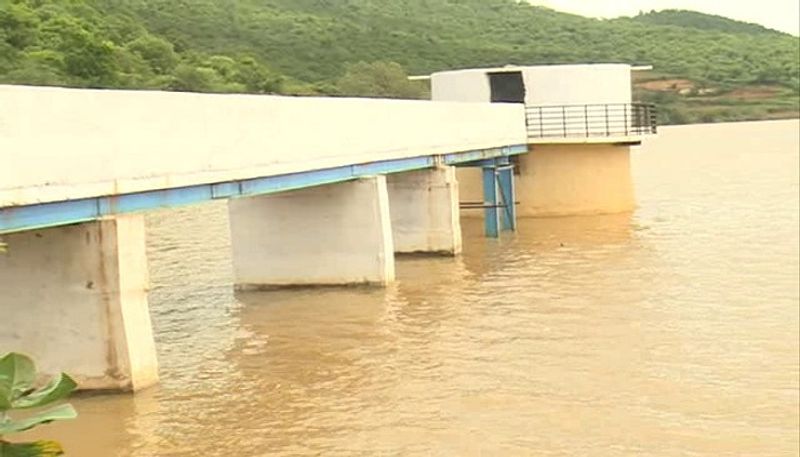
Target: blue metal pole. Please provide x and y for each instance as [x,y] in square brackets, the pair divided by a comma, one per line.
[505,185]
[491,213]
[506,182]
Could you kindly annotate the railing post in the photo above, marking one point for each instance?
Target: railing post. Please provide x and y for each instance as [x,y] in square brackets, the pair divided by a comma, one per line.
[646,121]
[637,119]
[645,114]
[625,114]
[641,117]
[653,119]
[586,118]
[541,123]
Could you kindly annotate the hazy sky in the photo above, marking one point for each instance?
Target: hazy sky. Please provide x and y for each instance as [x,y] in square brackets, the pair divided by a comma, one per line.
[777,14]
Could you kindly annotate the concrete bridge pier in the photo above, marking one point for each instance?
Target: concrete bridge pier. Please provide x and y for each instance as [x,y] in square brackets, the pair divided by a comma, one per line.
[75,299]
[558,180]
[424,211]
[335,234]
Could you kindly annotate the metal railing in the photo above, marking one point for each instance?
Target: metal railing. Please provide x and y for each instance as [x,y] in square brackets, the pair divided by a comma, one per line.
[595,120]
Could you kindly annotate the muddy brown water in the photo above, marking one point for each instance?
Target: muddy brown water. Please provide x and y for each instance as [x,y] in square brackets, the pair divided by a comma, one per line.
[672,331]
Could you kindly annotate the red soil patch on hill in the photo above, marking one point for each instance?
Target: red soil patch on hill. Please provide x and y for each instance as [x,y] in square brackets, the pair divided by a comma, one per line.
[666,85]
[753,93]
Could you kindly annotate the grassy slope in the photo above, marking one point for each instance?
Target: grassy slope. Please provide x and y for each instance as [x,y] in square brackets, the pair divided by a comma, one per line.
[737,70]
[701,100]
[732,70]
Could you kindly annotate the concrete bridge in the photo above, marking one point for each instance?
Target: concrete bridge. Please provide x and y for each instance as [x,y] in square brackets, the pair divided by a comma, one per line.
[322,191]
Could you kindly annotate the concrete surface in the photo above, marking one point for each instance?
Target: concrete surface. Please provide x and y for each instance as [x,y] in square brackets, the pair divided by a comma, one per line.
[75,299]
[59,144]
[544,84]
[424,209]
[338,234]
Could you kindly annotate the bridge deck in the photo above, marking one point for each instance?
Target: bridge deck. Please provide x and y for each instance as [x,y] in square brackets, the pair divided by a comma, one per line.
[71,155]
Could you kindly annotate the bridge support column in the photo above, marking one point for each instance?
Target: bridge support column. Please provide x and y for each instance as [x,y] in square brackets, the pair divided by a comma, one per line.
[75,299]
[424,210]
[337,234]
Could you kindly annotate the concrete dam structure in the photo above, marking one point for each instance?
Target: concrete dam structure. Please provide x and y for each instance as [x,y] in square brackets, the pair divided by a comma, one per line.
[320,191]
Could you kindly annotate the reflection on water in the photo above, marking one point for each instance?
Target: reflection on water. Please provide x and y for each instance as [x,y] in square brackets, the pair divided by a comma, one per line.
[672,331]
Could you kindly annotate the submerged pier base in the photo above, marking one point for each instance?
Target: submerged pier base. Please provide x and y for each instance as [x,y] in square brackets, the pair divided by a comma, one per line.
[424,211]
[336,234]
[75,299]
[575,179]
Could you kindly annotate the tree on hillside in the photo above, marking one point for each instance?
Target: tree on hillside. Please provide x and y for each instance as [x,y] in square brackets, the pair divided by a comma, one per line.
[328,47]
[157,52]
[379,79]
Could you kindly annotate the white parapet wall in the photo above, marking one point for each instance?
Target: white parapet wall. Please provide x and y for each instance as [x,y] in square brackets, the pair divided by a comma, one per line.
[425,211]
[577,84]
[338,234]
[58,144]
[461,86]
[75,298]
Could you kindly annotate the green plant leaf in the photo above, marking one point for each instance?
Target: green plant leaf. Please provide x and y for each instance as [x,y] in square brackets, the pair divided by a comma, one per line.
[36,449]
[5,399]
[17,374]
[63,412]
[58,388]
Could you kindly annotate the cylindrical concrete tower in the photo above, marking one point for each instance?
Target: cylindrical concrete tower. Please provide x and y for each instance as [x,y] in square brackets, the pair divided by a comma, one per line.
[581,123]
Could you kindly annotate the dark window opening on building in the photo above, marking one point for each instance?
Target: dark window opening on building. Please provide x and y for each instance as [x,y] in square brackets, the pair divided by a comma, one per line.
[507,87]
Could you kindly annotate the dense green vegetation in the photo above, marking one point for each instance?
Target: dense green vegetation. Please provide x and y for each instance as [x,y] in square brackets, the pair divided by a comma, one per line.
[365,47]
[694,20]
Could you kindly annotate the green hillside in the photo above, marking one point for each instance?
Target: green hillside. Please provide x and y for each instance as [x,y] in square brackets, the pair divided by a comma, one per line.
[694,20]
[707,68]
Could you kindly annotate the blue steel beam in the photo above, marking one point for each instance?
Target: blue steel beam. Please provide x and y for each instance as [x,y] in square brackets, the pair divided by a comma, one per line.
[30,217]
[469,158]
